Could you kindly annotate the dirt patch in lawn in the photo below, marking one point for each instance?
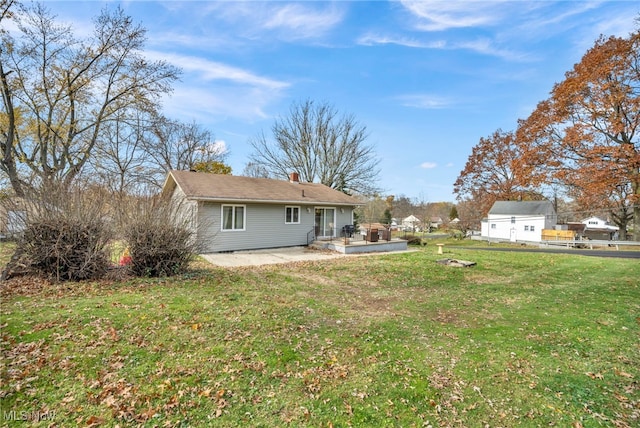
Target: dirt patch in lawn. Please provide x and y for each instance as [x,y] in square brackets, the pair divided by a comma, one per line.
[368,300]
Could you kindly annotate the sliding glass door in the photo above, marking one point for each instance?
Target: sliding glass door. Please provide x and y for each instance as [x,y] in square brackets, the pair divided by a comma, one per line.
[325,222]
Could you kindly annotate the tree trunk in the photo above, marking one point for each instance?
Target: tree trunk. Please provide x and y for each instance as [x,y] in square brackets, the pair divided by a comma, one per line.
[8,158]
[636,209]
[636,223]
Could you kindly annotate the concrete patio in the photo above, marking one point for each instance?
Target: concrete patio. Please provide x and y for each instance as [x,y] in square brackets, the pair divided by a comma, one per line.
[335,249]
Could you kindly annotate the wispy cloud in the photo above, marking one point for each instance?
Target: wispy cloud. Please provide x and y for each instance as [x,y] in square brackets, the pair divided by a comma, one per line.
[438,15]
[371,39]
[303,20]
[425,101]
[487,47]
[482,46]
[287,21]
[428,165]
[211,70]
[219,103]
[212,90]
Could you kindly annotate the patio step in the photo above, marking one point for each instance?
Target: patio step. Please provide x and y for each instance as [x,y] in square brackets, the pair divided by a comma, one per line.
[319,245]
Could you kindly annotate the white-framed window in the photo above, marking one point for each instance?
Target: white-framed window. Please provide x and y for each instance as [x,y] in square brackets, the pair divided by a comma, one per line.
[513,220]
[233,217]
[526,227]
[291,215]
[493,225]
[532,228]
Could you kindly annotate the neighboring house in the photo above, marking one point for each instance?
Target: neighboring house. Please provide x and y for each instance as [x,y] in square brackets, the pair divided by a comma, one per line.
[13,216]
[232,213]
[435,222]
[411,223]
[596,228]
[394,224]
[518,220]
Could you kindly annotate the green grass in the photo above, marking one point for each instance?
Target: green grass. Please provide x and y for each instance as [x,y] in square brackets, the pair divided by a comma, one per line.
[522,339]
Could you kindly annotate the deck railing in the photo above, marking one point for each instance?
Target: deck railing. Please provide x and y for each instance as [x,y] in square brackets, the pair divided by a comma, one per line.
[311,236]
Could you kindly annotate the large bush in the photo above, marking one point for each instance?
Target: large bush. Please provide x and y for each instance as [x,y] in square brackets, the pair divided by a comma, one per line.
[65,236]
[66,249]
[159,239]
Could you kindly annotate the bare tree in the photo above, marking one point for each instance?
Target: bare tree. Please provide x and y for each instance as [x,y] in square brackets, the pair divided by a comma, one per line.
[176,145]
[255,170]
[58,92]
[5,10]
[402,207]
[322,147]
[119,162]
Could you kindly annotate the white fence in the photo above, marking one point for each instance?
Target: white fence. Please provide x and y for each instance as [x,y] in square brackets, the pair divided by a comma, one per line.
[589,243]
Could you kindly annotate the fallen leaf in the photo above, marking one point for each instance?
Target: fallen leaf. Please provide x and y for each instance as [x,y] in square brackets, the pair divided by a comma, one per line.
[623,374]
[598,376]
[220,394]
[621,398]
[94,421]
[113,333]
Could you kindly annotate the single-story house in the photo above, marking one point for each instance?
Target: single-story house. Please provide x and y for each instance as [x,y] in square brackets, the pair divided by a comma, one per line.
[518,221]
[233,213]
[596,228]
[411,223]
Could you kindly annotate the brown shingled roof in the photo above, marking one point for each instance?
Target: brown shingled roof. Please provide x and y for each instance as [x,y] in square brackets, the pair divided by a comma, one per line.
[220,187]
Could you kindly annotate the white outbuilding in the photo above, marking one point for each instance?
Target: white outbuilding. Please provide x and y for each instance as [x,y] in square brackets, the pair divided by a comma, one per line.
[518,221]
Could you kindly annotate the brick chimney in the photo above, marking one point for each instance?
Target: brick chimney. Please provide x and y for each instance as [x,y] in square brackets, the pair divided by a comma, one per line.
[294,177]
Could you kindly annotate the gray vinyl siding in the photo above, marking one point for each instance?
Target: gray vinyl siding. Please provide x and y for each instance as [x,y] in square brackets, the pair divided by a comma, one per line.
[264,227]
[185,210]
[343,218]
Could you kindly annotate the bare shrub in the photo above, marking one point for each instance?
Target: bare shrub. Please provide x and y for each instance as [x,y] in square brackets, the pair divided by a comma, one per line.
[65,237]
[160,239]
[413,240]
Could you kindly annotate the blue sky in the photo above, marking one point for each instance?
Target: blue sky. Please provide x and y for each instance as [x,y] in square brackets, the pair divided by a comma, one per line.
[428,79]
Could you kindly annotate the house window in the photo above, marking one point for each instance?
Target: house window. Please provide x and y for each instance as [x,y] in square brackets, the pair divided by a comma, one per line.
[513,220]
[233,217]
[526,228]
[493,225]
[292,215]
[532,228]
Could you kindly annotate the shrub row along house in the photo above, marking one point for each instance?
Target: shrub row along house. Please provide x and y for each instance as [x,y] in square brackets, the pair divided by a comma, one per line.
[233,213]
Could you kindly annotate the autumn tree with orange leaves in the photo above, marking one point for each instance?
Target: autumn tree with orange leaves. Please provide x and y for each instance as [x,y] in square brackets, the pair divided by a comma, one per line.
[489,175]
[585,136]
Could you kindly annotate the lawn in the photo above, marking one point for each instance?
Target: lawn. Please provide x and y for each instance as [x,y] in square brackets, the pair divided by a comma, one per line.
[521,339]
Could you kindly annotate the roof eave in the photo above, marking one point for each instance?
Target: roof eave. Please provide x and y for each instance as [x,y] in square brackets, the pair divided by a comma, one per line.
[271,201]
